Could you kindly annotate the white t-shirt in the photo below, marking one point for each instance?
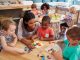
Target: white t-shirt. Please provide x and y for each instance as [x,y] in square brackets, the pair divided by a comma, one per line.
[22,32]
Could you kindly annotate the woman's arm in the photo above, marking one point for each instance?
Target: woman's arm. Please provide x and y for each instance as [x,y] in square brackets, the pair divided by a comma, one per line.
[34,37]
[27,42]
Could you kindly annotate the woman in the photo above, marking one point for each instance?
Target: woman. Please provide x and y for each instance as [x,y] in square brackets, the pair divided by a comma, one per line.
[27,29]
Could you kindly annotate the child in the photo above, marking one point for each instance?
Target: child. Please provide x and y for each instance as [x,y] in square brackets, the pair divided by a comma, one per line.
[69,16]
[36,12]
[8,37]
[34,9]
[72,47]
[45,7]
[63,29]
[27,29]
[45,32]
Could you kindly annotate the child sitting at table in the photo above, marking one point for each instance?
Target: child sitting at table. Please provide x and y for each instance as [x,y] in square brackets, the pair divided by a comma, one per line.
[8,38]
[69,16]
[63,29]
[34,9]
[36,12]
[45,32]
[71,50]
[45,7]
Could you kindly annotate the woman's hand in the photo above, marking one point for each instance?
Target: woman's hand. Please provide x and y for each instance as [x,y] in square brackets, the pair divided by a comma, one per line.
[31,46]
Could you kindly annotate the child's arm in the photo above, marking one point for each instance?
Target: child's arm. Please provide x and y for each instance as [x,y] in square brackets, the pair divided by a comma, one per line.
[57,55]
[57,41]
[47,39]
[8,48]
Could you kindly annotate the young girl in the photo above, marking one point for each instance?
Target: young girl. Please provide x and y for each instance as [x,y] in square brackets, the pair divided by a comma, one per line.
[45,32]
[45,7]
[8,37]
[72,47]
[27,29]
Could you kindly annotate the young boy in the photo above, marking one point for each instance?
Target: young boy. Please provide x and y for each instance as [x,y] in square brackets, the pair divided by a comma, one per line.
[72,47]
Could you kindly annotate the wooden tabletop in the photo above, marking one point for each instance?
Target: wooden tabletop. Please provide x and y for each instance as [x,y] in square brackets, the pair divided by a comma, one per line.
[29,56]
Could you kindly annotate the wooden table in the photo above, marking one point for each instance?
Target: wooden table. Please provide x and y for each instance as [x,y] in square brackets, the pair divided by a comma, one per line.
[29,56]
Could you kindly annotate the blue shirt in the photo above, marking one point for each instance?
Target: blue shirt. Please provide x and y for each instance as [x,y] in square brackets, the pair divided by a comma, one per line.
[71,52]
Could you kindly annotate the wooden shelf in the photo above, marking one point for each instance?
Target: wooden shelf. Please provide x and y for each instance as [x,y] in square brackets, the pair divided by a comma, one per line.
[13,6]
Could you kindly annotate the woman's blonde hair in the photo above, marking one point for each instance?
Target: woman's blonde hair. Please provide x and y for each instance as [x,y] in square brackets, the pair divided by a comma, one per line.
[5,23]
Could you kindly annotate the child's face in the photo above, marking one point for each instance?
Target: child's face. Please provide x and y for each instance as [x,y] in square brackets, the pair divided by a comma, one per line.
[31,23]
[11,29]
[62,28]
[72,42]
[45,8]
[45,25]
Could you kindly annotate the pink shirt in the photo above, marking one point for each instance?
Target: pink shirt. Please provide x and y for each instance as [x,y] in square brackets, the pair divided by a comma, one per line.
[45,33]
